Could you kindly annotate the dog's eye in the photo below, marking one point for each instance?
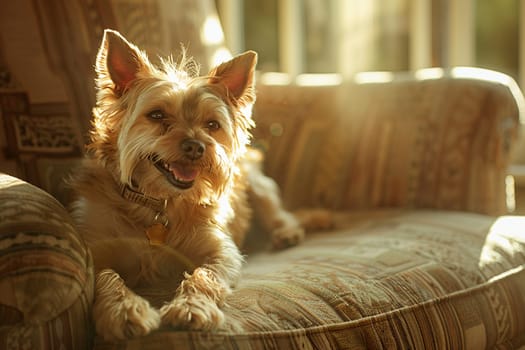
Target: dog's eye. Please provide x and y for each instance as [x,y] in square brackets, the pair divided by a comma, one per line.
[213,125]
[156,114]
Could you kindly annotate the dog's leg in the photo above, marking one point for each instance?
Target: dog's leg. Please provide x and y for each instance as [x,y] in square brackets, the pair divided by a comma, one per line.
[315,219]
[198,299]
[265,198]
[118,312]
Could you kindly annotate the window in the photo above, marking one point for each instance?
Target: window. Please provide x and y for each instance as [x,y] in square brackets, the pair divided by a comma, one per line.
[350,36]
[322,36]
[497,35]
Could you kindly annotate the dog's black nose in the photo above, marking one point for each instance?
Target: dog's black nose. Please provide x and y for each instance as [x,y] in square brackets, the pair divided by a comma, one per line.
[193,149]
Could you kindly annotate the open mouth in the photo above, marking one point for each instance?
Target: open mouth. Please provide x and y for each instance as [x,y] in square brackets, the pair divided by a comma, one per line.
[179,174]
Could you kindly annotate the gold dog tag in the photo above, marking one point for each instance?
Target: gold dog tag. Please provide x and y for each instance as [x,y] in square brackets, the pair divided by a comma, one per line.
[157,234]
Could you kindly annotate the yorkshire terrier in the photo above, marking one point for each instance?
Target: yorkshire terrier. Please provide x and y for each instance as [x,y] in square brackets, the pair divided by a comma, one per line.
[167,187]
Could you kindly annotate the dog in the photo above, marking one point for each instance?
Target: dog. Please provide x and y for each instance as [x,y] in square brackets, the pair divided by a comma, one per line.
[166,189]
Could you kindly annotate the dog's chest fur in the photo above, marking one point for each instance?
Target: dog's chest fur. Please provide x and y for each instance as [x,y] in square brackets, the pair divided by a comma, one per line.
[115,228]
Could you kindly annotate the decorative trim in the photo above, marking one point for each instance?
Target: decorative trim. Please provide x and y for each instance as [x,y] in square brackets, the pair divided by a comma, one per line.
[50,132]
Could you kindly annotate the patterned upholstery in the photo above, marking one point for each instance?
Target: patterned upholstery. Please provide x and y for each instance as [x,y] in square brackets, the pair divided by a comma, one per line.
[46,272]
[431,143]
[382,280]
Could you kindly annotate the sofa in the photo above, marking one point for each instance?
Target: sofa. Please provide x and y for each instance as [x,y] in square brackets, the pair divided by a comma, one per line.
[420,254]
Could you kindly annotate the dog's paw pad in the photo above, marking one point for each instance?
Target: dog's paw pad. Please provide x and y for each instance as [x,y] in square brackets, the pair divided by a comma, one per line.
[285,237]
[196,312]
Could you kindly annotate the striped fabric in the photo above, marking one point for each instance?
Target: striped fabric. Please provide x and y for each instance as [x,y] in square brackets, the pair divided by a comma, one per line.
[46,272]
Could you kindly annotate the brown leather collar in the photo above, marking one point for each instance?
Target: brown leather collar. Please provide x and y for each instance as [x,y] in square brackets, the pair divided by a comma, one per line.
[157,232]
[133,195]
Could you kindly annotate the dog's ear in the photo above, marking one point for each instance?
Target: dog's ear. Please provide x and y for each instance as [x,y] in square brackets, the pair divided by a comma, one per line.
[238,75]
[119,61]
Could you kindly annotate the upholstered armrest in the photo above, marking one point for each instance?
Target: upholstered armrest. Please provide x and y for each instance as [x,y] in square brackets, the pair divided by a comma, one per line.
[433,139]
[46,272]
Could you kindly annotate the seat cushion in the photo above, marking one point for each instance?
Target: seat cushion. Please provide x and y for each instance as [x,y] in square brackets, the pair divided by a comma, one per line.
[382,279]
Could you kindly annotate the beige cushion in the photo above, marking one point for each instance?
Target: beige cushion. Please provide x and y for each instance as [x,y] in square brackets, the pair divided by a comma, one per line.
[383,279]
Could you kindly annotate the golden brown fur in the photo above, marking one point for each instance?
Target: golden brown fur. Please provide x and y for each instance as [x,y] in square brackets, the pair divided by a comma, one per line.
[179,140]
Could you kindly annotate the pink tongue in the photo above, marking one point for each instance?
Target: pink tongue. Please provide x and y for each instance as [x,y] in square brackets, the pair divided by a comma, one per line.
[183,173]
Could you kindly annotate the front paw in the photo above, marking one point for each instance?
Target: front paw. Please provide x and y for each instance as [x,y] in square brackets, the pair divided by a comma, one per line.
[119,313]
[195,312]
